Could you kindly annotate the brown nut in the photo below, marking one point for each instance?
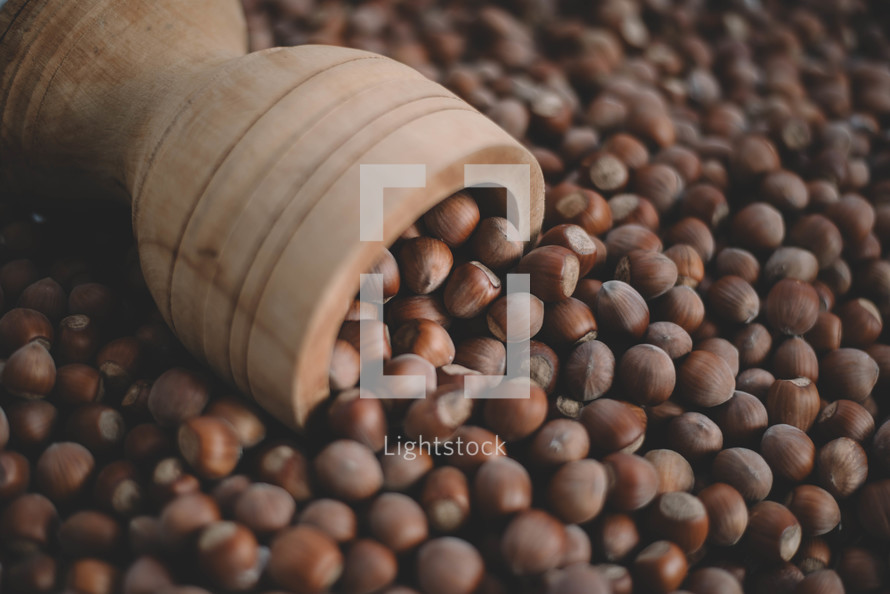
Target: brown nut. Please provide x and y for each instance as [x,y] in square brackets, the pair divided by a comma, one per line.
[210,445]
[848,373]
[646,374]
[334,518]
[792,307]
[734,300]
[727,513]
[177,395]
[533,542]
[773,532]
[745,470]
[704,379]
[621,311]
[815,509]
[496,243]
[789,452]
[559,441]
[453,220]
[670,338]
[614,425]
[577,491]
[660,567]
[228,554]
[554,272]
[424,263]
[589,370]
[29,372]
[63,470]
[694,435]
[515,317]
[449,565]
[264,508]
[348,470]
[633,481]
[397,521]
[841,467]
[501,487]
[673,470]
[652,274]
[470,289]
[446,499]
[304,559]
[794,402]
[426,339]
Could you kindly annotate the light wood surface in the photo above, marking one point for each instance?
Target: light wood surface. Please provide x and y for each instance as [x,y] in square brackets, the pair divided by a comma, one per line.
[242,170]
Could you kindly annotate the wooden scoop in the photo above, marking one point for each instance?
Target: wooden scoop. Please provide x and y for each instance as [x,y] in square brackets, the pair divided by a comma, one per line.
[242,169]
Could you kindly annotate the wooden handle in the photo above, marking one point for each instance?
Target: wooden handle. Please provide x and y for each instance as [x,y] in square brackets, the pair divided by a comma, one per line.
[242,170]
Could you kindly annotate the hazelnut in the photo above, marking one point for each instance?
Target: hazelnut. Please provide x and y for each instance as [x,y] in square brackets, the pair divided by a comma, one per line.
[21,326]
[31,422]
[568,322]
[670,338]
[734,300]
[368,567]
[523,311]
[745,470]
[348,470]
[363,419]
[438,415]
[210,445]
[183,517]
[264,508]
[147,443]
[304,559]
[621,310]
[496,243]
[29,372]
[118,487]
[15,474]
[742,419]
[849,374]
[860,569]
[577,491]
[823,581]
[660,567]
[120,361]
[605,171]
[690,268]
[345,366]
[853,215]
[93,575]
[502,486]
[514,418]
[470,289]
[99,428]
[727,513]
[673,470]
[445,498]
[791,262]
[773,532]
[861,321]
[841,467]
[567,203]
[693,232]
[723,349]
[704,379]
[815,509]
[401,473]
[630,209]
[63,470]
[559,441]
[622,240]
[754,156]
[146,575]
[388,268]
[332,517]
[77,383]
[680,305]
[483,354]
[789,452]
[228,554]
[543,366]
[425,264]
[35,573]
[615,535]
[694,435]
[680,518]
[411,307]
[480,445]
[397,521]
[576,240]
[650,273]
[795,402]
[658,182]
[792,307]
[228,490]
[27,524]
[449,565]
[614,425]
[177,395]
[794,358]
[554,272]
[733,261]
[579,549]
[589,370]
[706,203]
[285,466]
[533,542]
[755,381]
[758,227]
[818,234]
[425,338]
[633,481]
[243,418]
[825,335]
[845,418]
[713,580]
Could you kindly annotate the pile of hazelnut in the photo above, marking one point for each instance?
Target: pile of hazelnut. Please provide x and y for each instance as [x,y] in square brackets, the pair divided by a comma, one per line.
[710,371]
